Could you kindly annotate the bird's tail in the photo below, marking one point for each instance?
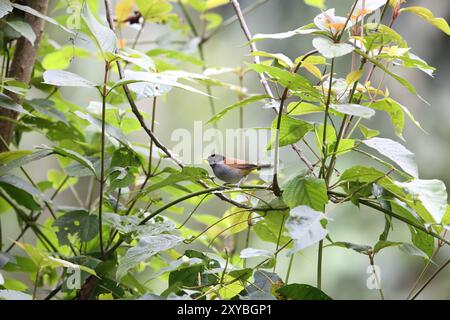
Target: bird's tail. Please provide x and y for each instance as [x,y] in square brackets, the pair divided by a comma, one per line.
[264,166]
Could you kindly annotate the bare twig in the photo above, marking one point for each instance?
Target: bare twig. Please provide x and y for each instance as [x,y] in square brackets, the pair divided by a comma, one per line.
[252,45]
[265,84]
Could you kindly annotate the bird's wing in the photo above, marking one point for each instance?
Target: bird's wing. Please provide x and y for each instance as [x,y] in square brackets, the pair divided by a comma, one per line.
[240,164]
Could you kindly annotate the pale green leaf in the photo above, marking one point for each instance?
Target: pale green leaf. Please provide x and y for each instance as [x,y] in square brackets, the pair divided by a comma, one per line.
[332,50]
[354,110]
[62,78]
[304,227]
[61,58]
[432,194]
[426,14]
[396,152]
[104,37]
[146,248]
[8,103]
[23,28]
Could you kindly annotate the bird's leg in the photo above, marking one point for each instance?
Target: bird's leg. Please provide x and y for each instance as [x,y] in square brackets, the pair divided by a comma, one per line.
[241,181]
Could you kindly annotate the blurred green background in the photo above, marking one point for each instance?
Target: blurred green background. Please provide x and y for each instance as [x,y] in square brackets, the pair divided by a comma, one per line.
[344,274]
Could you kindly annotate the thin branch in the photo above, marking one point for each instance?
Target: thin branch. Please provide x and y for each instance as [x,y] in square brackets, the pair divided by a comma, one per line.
[181,199]
[325,122]
[431,279]
[233,19]
[265,84]
[276,187]
[252,45]
[140,118]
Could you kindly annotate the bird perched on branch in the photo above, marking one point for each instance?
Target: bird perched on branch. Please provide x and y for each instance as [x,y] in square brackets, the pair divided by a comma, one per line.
[232,170]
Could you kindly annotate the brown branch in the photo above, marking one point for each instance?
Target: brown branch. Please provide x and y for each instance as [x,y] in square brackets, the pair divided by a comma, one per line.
[22,66]
[256,60]
[150,133]
[252,45]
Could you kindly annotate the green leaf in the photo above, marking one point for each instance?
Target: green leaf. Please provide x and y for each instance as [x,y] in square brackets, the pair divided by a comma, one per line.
[13,284]
[35,13]
[146,248]
[432,194]
[14,295]
[395,112]
[186,174]
[446,218]
[61,58]
[21,161]
[62,78]
[8,103]
[332,50]
[409,60]
[138,58]
[396,152]
[160,81]
[331,136]
[380,65]
[183,262]
[413,250]
[420,239]
[354,110]
[43,259]
[56,179]
[302,108]
[239,104]
[78,222]
[8,156]
[360,248]
[21,191]
[354,76]
[287,79]
[385,244]
[361,174]
[268,229]
[213,20]
[304,227]
[23,28]
[104,37]
[72,155]
[5,8]
[276,56]
[367,132]
[318,4]
[384,34]
[426,14]
[175,55]
[154,10]
[47,107]
[56,262]
[291,131]
[308,29]
[255,253]
[111,131]
[296,291]
[305,190]
[345,145]
[131,224]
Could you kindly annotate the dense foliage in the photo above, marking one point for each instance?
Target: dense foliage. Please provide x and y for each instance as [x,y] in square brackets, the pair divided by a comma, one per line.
[119,239]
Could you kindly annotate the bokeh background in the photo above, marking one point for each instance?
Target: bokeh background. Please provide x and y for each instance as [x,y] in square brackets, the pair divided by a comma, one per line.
[344,272]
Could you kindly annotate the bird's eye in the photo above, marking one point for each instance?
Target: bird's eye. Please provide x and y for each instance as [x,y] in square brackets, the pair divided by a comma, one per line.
[213,155]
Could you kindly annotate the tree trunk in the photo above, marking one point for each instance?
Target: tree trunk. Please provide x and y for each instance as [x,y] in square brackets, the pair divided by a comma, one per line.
[22,66]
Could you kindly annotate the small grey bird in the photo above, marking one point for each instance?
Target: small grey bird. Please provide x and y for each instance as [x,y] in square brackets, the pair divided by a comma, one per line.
[232,170]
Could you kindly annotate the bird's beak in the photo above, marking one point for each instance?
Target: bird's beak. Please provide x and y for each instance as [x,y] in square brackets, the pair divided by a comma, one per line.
[206,161]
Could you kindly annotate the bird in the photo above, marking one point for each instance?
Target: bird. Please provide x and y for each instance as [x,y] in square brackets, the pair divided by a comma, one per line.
[233,171]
